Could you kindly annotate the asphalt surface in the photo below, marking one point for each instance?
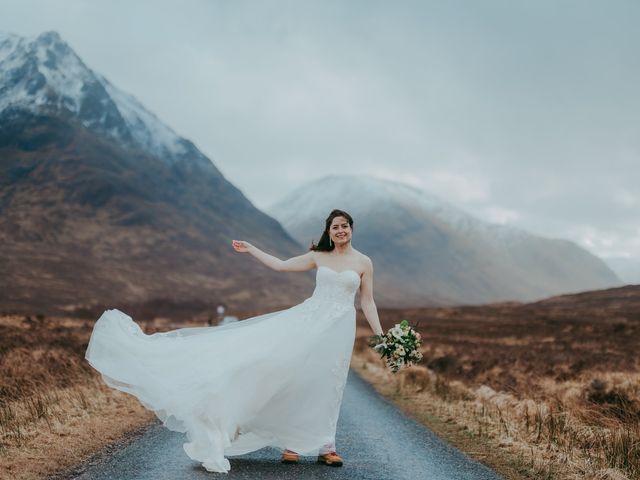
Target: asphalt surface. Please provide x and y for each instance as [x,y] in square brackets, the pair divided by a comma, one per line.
[376,440]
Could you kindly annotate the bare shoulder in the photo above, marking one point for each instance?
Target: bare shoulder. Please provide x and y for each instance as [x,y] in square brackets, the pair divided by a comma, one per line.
[364,261]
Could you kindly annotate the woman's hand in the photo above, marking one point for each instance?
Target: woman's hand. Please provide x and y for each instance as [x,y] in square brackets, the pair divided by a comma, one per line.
[373,340]
[241,246]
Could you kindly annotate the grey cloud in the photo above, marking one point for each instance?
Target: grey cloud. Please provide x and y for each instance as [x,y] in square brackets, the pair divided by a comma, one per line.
[536,102]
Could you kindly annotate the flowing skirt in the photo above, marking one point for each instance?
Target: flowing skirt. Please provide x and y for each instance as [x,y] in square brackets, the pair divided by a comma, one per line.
[272,380]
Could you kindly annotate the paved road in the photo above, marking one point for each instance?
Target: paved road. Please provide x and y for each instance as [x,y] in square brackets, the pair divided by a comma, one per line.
[376,440]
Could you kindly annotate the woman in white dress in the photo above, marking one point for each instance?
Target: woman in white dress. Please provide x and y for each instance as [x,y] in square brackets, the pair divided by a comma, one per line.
[271,380]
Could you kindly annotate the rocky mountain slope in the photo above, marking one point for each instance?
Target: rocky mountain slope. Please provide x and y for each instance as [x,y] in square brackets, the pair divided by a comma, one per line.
[104,206]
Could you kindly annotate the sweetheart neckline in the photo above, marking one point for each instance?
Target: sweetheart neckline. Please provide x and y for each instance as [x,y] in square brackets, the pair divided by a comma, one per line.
[335,271]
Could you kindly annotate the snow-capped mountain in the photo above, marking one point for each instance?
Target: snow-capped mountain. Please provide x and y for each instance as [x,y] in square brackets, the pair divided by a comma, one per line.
[102,205]
[44,73]
[428,251]
[360,192]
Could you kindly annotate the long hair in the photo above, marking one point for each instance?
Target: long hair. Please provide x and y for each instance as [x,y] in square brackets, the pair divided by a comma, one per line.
[323,243]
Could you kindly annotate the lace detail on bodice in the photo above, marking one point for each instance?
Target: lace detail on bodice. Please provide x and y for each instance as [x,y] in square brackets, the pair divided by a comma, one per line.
[336,287]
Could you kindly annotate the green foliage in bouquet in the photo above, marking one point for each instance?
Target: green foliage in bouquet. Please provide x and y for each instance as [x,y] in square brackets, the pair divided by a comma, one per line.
[400,346]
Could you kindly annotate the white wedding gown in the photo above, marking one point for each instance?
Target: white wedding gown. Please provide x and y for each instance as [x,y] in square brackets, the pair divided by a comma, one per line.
[272,380]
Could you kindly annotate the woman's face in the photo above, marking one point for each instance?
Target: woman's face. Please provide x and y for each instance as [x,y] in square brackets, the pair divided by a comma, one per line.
[340,231]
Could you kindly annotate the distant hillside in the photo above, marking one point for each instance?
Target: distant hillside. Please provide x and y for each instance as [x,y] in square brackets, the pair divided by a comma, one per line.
[428,252]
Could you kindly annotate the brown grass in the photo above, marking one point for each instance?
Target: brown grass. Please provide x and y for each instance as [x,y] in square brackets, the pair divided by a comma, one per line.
[554,386]
[547,390]
[57,429]
[54,409]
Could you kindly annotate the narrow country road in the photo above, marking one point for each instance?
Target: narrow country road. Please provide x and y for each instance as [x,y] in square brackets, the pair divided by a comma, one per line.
[376,440]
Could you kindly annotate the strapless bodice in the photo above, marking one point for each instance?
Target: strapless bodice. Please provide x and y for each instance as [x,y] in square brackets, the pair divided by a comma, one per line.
[333,286]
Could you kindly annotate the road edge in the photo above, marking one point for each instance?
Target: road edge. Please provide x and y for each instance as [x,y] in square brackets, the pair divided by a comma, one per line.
[481,450]
[127,438]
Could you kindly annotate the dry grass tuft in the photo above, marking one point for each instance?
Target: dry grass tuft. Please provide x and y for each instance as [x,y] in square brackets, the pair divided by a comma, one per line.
[54,408]
[558,409]
[48,433]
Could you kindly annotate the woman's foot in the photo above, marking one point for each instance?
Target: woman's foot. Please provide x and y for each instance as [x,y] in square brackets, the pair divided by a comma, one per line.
[330,458]
[289,456]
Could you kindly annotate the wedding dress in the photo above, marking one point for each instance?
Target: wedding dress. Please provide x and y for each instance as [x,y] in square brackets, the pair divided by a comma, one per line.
[271,380]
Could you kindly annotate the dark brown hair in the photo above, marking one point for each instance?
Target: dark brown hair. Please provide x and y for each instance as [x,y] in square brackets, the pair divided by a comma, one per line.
[323,244]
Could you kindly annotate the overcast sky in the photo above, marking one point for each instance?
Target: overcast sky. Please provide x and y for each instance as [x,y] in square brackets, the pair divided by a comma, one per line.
[519,112]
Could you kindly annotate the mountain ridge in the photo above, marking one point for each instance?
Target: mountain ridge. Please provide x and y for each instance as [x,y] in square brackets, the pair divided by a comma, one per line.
[44,72]
[446,253]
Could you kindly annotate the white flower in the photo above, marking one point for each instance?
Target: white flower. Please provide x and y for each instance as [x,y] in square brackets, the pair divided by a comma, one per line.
[397,331]
[400,350]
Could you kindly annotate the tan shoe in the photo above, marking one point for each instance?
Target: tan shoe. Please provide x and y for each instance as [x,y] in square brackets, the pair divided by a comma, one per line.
[331,458]
[289,456]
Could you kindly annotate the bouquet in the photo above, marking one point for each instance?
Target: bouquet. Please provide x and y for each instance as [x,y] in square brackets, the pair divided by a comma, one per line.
[400,346]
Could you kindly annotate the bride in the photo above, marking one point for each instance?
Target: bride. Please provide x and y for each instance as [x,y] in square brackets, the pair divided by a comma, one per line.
[272,380]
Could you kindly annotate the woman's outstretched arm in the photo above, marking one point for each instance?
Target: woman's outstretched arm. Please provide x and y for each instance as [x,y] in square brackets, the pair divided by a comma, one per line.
[366,299]
[294,264]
